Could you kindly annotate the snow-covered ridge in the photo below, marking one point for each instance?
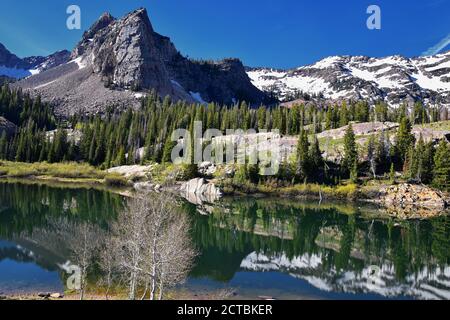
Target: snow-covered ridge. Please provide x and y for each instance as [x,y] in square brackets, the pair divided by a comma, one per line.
[393,79]
[14,67]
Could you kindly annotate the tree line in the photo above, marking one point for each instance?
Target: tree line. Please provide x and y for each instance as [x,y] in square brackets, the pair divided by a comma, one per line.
[136,136]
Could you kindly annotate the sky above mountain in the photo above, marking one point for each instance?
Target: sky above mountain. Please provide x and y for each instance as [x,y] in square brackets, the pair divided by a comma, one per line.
[271,33]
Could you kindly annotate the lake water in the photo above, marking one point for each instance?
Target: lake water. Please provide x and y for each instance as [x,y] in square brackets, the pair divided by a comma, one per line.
[257,247]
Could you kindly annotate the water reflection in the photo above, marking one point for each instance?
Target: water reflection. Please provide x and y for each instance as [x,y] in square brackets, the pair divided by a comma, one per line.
[332,247]
[32,250]
[269,246]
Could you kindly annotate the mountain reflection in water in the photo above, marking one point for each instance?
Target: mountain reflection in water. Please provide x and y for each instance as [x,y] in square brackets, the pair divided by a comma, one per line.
[272,247]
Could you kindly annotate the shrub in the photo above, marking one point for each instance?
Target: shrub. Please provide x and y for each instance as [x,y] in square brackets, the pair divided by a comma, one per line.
[116,180]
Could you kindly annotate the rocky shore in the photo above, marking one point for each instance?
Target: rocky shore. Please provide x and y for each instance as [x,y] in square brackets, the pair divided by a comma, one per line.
[413,201]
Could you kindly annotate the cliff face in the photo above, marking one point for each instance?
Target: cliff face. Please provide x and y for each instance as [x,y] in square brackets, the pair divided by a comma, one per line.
[129,54]
[120,60]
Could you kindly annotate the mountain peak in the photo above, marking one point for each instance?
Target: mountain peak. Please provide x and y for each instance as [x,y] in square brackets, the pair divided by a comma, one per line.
[119,60]
[394,79]
[139,16]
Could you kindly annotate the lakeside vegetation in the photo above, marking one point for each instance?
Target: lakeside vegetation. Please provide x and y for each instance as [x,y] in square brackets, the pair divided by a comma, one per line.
[72,172]
[143,136]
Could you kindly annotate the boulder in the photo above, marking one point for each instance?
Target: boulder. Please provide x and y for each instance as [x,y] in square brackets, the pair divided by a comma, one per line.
[134,171]
[198,191]
[413,201]
[56,295]
[207,168]
[44,294]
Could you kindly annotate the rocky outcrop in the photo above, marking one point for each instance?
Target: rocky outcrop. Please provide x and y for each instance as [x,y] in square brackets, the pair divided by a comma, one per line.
[413,201]
[199,191]
[132,172]
[118,61]
[40,64]
[360,129]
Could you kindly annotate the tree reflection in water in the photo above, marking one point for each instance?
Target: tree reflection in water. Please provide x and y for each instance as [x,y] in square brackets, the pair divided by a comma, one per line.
[331,246]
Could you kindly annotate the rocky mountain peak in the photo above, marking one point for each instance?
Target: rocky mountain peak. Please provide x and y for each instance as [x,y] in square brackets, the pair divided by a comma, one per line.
[118,61]
[128,53]
[139,16]
[105,20]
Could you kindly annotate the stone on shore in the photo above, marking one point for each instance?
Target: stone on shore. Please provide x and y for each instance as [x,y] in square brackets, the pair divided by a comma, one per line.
[198,191]
[134,171]
[413,201]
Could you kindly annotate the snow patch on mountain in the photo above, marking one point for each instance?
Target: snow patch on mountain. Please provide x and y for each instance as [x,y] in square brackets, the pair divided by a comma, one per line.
[393,79]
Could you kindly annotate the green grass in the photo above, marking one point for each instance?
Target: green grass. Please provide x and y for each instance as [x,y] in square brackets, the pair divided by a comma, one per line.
[69,170]
[348,191]
[116,180]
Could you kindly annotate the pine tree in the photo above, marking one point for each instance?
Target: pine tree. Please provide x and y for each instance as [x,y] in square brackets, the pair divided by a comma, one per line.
[382,153]
[354,172]
[167,151]
[350,150]
[121,159]
[410,163]
[316,160]
[302,155]
[392,174]
[3,145]
[441,170]
[371,155]
[404,139]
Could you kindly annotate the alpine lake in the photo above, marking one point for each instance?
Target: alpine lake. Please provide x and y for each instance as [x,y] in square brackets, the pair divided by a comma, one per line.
[272,247]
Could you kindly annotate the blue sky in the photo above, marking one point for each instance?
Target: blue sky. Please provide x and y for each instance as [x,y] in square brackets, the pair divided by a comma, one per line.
[274,33]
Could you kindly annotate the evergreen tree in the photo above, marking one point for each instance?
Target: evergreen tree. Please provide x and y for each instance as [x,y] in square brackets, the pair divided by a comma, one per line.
[316,161]
[167,152]
[404,139]
[302,155]
[392,174]
[382,156]
[441,173]
[3,146]
[354,172]
[350,150]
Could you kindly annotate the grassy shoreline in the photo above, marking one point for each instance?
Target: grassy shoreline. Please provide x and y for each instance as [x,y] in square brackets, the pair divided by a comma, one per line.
[67,174]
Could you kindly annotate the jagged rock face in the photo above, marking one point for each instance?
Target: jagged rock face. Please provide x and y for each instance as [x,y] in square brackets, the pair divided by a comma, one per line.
[119,60]
[124,52]
[130,54]
[394,79]
[41,64]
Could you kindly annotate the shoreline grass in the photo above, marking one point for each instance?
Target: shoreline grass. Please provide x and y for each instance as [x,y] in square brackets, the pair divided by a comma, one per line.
[79,174]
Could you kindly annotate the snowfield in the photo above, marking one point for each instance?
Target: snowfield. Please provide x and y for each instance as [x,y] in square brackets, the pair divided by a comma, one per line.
[392,79]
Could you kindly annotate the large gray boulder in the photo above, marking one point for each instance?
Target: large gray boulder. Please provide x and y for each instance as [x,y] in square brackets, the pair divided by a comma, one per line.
[199,191]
